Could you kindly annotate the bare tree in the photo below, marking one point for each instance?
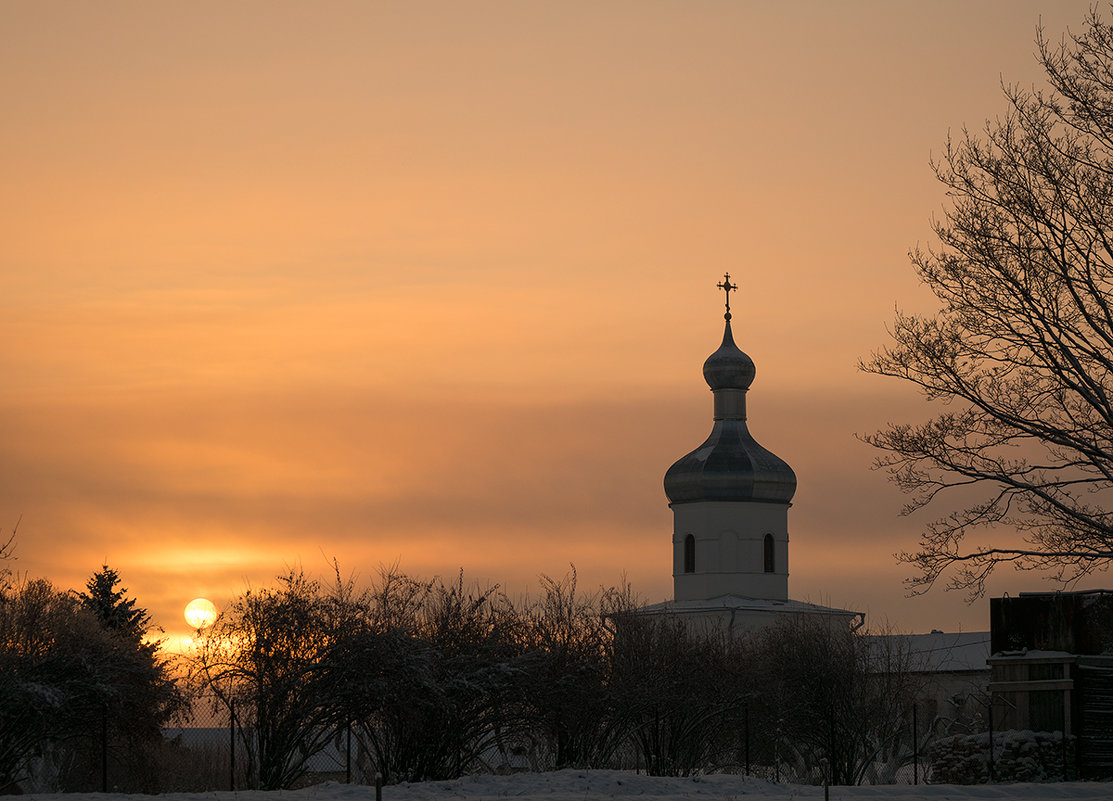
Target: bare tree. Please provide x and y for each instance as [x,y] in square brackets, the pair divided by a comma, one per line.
[566,674]
[682,694]
[267,654]
[427,677]
[1021,350]
[836,697]
[7,554]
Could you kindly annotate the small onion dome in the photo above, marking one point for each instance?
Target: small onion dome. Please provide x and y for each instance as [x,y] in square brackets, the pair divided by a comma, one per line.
[728,367]
[730,465]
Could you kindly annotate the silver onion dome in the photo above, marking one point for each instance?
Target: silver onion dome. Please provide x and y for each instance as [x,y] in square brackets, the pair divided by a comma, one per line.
[730,465]
[729,367]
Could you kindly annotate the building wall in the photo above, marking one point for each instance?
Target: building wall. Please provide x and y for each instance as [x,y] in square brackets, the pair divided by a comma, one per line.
[952,702]
[730,550]
[738,621]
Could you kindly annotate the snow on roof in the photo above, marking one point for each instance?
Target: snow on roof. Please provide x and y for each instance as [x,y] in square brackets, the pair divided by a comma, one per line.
[1033,655]
[741,603]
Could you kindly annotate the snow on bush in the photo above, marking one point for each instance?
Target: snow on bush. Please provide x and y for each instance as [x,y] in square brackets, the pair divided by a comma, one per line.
[1018,756]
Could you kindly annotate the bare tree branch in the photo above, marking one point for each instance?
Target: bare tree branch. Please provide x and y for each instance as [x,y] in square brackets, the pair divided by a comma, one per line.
[1021,348]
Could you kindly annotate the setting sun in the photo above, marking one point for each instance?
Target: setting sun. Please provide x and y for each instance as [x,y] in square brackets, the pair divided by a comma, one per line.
[200,613]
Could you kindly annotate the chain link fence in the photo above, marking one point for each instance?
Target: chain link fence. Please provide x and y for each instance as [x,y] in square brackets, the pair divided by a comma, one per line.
[213,751]
[212,755]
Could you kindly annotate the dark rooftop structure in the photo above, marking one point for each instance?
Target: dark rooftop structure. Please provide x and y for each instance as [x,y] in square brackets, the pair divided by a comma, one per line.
[1052,670]
[1075,622]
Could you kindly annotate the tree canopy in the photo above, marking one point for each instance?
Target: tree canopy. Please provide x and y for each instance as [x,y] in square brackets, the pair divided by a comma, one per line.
[64,674]
[1021,349]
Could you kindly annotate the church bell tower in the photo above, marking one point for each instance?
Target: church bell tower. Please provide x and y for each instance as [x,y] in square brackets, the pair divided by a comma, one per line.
[730,496]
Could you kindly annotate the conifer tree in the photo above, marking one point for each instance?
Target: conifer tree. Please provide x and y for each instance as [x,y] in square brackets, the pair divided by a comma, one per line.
[112,607]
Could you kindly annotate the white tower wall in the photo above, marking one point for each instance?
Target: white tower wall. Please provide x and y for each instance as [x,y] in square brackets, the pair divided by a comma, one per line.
[729,550]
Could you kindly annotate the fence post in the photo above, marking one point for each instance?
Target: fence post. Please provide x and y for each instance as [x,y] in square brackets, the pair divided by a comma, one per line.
[378,787]
[1066,695]
[104,747]
[989,707]
[232,743]
[831,765]
[747,725]
[348,753]
[777,754]
[915,746]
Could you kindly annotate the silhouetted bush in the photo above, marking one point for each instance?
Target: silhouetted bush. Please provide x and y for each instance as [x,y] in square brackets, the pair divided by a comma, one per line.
[565,680]
[438,679]
[837,698]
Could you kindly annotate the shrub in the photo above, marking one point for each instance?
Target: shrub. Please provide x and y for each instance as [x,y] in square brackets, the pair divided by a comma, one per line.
[1018,756]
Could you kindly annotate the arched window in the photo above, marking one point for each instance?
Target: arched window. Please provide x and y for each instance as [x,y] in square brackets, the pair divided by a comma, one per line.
[770,559]
[689,554]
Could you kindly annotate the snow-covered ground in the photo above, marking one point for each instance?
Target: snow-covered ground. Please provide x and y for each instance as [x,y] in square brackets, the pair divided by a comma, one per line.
[581,785]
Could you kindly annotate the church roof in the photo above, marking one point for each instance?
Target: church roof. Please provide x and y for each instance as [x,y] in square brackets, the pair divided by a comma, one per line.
[730,465]
[741,603]
[749,605]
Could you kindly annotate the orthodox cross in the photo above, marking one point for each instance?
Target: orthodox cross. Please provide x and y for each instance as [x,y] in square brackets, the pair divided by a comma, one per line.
[727,286]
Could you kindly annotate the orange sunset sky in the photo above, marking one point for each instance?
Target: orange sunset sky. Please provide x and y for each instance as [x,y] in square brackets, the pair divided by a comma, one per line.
[432,283]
